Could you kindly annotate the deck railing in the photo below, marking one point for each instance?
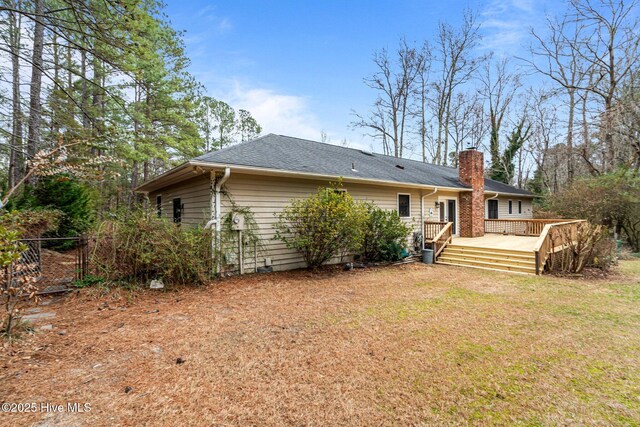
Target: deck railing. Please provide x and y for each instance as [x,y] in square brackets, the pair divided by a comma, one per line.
[518,227]
[553,238]
[439,234]
[432,229]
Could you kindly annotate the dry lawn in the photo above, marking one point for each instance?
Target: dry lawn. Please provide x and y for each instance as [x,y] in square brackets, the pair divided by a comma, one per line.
[406,345]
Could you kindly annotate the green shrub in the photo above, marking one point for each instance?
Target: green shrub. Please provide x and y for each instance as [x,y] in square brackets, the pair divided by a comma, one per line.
[138,246]
[322,226]
[72,198]
[88,281]
[384,235]
[612,200]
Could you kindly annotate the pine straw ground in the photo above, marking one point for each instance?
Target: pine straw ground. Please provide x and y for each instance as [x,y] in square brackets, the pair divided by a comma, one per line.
[405,345]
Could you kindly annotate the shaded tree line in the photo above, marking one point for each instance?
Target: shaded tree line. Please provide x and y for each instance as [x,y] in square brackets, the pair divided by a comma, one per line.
[103,83]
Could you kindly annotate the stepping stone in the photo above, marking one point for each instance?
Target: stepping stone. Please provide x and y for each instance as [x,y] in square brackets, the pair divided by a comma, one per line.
[38,316]
[57,288]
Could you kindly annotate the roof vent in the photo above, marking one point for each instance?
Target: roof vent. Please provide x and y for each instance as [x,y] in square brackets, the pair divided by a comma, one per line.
[353,167]
[365,152]
[400,167]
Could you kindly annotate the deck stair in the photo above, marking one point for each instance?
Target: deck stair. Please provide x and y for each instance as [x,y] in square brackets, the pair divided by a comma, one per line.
[513,260]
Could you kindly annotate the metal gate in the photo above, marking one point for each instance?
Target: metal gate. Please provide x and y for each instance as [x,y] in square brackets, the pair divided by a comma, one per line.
[53,261]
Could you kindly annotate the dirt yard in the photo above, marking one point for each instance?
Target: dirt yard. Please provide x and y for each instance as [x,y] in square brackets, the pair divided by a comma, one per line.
[406,345]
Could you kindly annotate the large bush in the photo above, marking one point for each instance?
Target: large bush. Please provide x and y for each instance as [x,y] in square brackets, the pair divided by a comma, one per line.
[74,200]
[384,235]
[138,246]
[31,223]
[322,226]
[612,200]
[588,245]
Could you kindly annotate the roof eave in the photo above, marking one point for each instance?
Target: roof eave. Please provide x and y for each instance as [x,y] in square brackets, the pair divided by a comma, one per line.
[157,182]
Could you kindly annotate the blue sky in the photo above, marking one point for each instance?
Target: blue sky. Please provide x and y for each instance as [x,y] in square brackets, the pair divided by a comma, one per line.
[298,65]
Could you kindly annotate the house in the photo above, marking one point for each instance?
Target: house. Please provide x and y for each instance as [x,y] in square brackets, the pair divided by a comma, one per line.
[267,173]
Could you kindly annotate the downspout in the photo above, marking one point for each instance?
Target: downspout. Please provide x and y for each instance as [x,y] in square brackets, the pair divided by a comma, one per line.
[215,208]
[435,190]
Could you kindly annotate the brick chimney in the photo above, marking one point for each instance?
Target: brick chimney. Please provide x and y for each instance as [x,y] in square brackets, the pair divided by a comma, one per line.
[471,172]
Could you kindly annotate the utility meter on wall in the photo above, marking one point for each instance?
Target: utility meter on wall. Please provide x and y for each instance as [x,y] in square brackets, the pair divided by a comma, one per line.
[237,222]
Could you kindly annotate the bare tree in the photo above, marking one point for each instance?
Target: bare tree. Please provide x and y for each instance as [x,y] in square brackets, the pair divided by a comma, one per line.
[467,123]
[610,49]
[553,56]
[394,83]
[498,88]
[454,51]
[422,92]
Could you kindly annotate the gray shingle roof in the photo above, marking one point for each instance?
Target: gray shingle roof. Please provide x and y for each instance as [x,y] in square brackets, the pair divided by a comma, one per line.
[300,155]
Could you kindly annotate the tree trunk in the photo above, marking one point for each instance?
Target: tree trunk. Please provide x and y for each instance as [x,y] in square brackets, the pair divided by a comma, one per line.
[423,124]
[16,156]
[35,103]
[55,105]
[572,106]
[447,119]
[586,143]
[84,96]
[96,103]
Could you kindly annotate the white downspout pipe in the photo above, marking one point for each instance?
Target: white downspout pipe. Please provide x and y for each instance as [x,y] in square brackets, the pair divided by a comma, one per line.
[215,208]
[435,190]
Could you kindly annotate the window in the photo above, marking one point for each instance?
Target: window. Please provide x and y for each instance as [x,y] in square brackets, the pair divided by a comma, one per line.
[404,205]
[519,206]
[159,206]
[493,209]
[510,207]
[177,211]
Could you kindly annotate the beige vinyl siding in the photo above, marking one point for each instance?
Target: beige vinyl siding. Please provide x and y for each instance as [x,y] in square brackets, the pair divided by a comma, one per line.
[503,208]
[267,196]
[195,197]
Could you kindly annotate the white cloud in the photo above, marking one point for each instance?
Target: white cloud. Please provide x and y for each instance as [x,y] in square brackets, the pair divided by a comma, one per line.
[506,23]
[276,112]
[221,23]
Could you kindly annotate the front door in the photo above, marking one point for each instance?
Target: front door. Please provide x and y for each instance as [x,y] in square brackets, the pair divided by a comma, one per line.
[451,214]
[493,209]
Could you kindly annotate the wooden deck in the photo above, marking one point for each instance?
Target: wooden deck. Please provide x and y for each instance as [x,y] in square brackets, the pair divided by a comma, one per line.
[518,245]
[498,241]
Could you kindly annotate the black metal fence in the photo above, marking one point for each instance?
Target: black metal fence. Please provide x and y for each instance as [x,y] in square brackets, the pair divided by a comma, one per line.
[53,263]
